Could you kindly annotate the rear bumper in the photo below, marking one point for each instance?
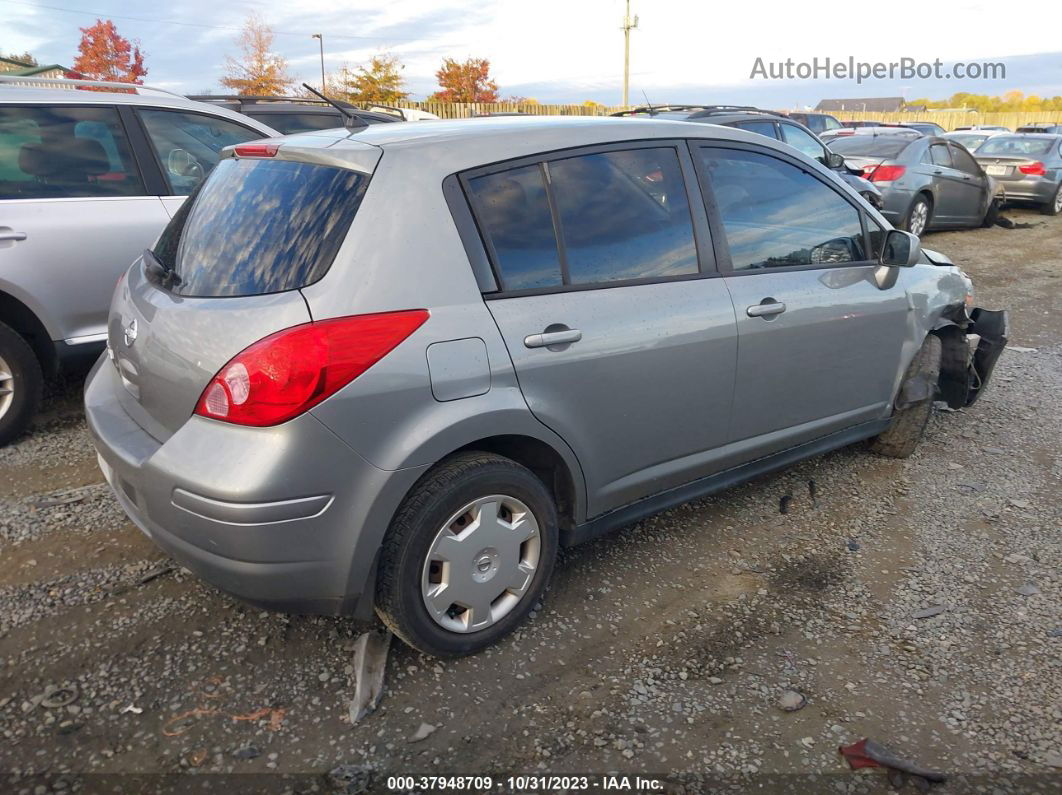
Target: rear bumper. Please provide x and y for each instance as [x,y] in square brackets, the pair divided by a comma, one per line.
[1030,189]
[288,518]
[895,202]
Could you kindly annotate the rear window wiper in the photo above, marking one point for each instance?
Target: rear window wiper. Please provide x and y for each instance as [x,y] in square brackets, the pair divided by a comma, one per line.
[166,275]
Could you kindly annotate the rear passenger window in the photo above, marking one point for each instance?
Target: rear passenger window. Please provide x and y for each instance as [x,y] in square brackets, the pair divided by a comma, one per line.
[777,215]
[513,209]
[939,154]
[72,152]
[624,215]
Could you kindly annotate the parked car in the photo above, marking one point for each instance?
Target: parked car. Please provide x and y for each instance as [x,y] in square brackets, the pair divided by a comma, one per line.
[924,127]
[818,123]
[1028,168]
[767,123]
[893,130]
[926,182]
[403,114]
[1041,127]
[305,410]
[290,115]
[989,127]
[88,179]
[854,123]
[971,139]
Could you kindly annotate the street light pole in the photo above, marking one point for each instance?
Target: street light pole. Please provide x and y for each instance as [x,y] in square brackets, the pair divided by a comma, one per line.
[628,25]
[320,40]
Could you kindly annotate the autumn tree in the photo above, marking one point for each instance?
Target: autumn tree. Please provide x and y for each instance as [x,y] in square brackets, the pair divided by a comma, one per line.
[21,57]
[465,82]
[381,81]
[105,55]
[257,72]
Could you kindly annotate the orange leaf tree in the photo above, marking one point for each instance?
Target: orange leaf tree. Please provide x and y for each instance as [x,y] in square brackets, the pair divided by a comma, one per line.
[465,82]
[258,72]
[103,54]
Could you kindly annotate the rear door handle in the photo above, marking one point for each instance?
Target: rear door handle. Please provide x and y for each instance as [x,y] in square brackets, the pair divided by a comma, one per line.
[765,310]
[547,338]
[12,235]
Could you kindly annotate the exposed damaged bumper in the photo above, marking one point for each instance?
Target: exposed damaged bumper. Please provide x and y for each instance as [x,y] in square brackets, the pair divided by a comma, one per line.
[972,344]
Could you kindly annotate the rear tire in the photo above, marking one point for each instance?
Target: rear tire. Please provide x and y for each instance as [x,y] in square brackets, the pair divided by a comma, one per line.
[439,517]
[909,424]
[1053,207]
[991,214]
[21,384]
[919,216]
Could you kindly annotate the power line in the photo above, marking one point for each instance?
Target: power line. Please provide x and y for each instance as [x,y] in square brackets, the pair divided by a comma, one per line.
[197,24]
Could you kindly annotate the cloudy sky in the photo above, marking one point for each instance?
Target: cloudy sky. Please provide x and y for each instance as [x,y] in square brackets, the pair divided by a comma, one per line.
[572,50]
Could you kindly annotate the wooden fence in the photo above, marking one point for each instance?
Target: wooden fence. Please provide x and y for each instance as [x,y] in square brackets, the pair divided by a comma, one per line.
[949,120]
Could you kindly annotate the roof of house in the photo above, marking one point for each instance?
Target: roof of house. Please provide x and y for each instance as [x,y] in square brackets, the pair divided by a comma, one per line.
[13,68]
[869,104]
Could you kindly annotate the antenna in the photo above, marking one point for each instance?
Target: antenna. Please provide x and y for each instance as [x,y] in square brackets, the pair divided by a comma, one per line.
[648,104]
[349,118]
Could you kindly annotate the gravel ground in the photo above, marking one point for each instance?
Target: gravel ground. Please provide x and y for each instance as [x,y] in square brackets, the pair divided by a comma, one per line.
[917,603]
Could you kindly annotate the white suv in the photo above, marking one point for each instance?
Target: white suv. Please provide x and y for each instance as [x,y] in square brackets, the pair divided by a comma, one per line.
[88,179]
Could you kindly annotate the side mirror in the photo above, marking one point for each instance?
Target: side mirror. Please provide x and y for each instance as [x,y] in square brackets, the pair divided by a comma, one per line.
[834,160]
[901,249]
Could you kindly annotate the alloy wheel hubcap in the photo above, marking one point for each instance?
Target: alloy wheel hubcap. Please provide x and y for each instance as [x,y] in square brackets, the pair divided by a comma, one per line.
[481,563]
[7,387]
[1058,198]
[919,215]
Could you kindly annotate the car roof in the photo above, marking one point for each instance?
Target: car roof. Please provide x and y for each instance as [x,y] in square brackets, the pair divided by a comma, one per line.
[57,96]
[447,146]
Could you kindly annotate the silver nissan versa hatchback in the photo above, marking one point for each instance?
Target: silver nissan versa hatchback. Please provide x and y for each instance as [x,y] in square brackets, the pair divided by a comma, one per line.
[395,369]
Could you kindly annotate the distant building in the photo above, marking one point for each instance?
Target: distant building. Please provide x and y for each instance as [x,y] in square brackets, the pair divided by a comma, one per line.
[13,68]
[868,105]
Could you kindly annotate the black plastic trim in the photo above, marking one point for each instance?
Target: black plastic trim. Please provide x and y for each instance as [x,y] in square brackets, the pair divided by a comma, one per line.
[636,511]
[469,234]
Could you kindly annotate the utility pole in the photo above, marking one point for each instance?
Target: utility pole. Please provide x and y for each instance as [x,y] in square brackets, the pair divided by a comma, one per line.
[320,40]
[629,24]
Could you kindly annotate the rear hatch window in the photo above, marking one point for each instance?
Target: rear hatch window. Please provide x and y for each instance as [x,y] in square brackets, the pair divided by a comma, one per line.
[260,226]
[870,145]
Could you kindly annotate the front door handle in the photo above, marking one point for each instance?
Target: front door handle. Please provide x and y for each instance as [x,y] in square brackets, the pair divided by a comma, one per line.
[547,338]
[9,234]
[765,310]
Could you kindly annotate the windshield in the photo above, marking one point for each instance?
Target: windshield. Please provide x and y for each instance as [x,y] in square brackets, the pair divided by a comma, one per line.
[1014,146]
[870,145]
[970,141]
[260,226]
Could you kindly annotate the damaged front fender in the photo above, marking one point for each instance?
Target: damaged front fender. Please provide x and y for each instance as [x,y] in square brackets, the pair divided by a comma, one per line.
[971,344]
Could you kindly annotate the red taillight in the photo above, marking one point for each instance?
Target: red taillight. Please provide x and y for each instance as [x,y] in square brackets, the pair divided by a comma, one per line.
[883,173]
[289,372]
[257,150]
[1035,169]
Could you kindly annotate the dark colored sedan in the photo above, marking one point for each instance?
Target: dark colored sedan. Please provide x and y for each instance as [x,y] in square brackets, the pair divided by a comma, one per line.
[926,182]
[1027,167]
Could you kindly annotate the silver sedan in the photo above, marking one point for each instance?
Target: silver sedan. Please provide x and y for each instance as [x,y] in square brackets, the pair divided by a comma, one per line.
[1028,168]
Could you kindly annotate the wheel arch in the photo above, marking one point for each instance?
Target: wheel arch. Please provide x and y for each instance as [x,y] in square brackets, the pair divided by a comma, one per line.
[25,322]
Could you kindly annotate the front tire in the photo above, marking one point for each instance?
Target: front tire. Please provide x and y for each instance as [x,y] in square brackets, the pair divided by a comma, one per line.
[991,214]
[1053,207]
[908,427]
[468,554]
[21,384]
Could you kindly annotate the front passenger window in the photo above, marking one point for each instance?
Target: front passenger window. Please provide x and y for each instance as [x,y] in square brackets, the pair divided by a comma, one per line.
[798,139]
[777,215]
